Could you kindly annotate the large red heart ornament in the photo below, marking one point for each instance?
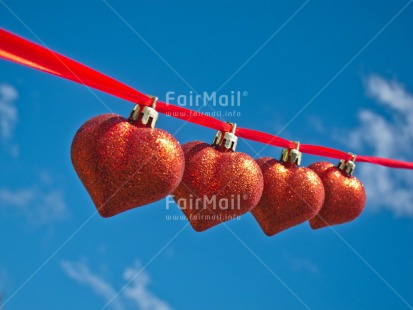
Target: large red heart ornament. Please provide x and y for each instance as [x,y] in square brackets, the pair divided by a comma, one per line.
[125,164]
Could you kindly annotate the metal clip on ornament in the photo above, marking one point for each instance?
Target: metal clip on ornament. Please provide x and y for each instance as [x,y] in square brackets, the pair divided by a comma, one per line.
[228,140]
[348,166]
[292,155]
[148,115]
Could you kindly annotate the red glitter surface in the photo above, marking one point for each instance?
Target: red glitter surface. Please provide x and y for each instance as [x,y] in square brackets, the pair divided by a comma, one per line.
[123,165]
[292,195]
[217,186]
[320,167]
[345,196]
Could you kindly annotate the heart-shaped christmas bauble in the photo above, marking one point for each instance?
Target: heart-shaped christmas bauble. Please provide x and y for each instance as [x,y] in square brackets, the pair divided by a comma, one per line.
[124,164]
[217,185]
[345,196]
[292,195]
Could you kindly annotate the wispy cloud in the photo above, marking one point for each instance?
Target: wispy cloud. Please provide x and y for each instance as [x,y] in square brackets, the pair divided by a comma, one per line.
[388,133]
[138,291]
[80,272]
[37,204]
[8,110]
[134,294]
[8,118]
[302,264]
[40,203]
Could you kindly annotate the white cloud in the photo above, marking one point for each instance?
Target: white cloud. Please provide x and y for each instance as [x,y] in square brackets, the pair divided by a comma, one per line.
[38,205]
[81,273]
[133,293]
[8,110]
[305,265]
[302,264]
[19,198]
[138,292]
[386,134]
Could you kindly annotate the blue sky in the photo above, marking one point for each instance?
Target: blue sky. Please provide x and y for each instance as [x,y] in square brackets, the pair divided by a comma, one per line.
[347,64]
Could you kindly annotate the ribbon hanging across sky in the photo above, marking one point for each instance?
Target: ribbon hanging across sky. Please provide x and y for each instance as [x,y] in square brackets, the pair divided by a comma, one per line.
[24,52]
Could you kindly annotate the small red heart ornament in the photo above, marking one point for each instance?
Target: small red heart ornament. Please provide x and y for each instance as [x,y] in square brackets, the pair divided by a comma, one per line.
[125,164]
[292,195]
[345,196]
[218,185]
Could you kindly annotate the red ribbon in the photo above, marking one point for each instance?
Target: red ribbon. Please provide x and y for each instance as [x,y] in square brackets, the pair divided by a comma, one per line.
[24,52]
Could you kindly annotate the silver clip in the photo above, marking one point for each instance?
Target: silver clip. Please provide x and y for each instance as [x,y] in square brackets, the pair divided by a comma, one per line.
[228,140]
[348,166]
[292,155]
[217,138]
[147,114]
[135,112]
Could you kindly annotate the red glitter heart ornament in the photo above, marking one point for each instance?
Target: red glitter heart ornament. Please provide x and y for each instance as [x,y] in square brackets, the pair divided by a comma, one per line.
[125,164]
[218,185]
[292,195]
[345,196]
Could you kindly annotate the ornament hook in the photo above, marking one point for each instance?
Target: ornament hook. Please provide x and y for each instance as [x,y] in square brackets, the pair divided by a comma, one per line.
[348,166]
[292,155]
[228,140]
[148,115]
[154,100]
